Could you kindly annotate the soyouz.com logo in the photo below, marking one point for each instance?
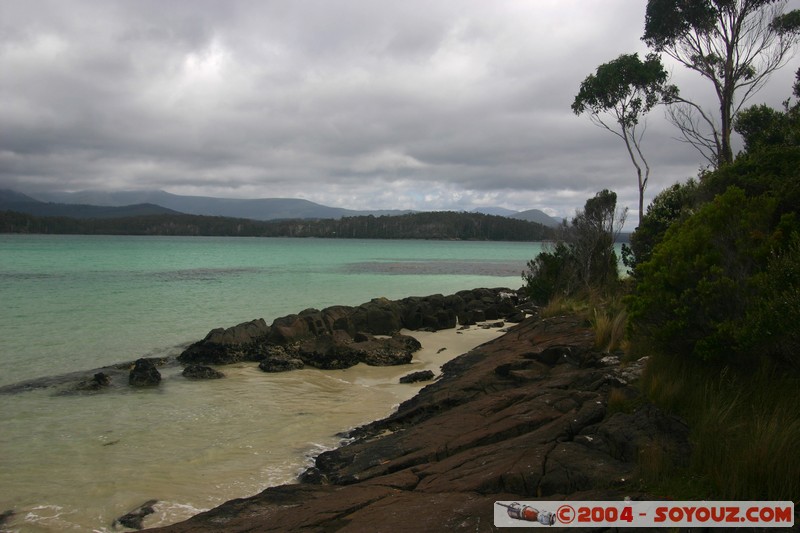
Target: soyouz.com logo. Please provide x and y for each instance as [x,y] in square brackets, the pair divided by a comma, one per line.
[643,514]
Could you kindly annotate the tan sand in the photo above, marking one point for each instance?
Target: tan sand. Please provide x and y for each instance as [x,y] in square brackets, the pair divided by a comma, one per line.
[437,349]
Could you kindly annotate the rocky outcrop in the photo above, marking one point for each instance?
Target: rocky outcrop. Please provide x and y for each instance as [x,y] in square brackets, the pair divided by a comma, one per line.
[338,350]
[342,336]
[144,374]
[521,418]
[243,342]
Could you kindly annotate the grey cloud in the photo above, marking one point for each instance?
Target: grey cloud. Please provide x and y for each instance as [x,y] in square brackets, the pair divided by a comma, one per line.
[359,104]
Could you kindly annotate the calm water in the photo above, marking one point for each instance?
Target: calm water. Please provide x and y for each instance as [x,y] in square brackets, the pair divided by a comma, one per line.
[74,463]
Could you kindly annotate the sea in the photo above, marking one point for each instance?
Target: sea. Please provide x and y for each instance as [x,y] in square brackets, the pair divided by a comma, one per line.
[76,462]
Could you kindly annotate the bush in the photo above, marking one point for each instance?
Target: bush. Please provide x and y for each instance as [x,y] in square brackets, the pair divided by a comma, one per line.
[771,326]
[550,273]
[584,258]
[669,206]
[694,293]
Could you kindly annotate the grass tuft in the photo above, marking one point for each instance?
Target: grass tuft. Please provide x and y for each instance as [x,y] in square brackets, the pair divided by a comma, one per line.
[745,429]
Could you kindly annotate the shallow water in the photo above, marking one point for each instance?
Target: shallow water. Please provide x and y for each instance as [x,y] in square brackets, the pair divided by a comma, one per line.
[77,462]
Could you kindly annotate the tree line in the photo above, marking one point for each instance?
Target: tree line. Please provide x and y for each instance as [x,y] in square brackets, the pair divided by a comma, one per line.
[445,225]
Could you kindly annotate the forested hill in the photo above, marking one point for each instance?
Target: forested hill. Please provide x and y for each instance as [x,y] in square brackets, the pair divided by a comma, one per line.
[444,225]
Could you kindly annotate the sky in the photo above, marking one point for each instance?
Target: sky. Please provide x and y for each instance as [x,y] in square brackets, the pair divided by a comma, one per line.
[361,104]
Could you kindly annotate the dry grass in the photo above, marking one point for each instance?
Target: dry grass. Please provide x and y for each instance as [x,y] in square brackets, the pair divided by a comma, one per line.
[609,328]
[745,429]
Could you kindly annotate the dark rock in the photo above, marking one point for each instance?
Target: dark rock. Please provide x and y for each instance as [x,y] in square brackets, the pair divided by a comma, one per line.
[313,476]
[134,518]
[379,316]
[201,372]
[553,355]
[243,342]
[516,317]
[5,516]
[499,424]
[290,329]
[279,360]
[99,381]
[144,374]
[397,350]
[414,377]
[329,352]
[431,313]
[337,317]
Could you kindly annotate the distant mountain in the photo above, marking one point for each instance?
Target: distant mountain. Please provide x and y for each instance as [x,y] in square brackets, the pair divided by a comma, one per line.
[535,215]
[9,196]
[497,211]
[532,215]
[255,209]
[80,211]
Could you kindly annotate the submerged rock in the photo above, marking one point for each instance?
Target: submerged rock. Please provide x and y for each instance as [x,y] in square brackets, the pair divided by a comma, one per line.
[144,374]
[414,377]
[201,372]
[280,361]
[97,382]
[133,519]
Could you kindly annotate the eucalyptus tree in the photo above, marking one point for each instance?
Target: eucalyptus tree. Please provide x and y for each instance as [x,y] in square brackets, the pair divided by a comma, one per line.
[734,44]
[618,95]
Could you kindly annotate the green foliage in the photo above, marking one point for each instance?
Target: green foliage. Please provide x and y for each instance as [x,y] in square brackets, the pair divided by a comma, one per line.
[667,21]
[735,45]
[761,126]
[445,225]
[583,258]
[668,207]
[693,294]
[771,325]
[627,86]
[551,272]
[592,238]
[626,89]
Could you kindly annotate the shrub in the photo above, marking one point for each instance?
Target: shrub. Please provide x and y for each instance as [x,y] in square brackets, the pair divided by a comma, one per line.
[694,293]
[583,259]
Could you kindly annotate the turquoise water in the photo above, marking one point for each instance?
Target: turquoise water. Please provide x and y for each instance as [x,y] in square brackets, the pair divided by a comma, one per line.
[74,463]
[79,302]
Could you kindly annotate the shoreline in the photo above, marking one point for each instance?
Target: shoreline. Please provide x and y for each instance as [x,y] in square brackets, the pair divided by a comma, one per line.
[437,349]
[525,416]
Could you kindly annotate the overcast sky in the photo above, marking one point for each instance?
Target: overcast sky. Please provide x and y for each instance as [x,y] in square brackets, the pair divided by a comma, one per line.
[413,104]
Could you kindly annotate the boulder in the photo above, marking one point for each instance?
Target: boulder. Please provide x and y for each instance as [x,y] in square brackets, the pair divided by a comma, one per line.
[379,316]
[337,317]
[243,342]
[414,377]
[279,360]
[144,374]
[329,352]
[397,350]
[201,372]
[133,519]
[431,313]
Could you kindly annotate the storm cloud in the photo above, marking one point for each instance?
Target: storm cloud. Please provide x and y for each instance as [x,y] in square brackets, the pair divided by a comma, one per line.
[364,105]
